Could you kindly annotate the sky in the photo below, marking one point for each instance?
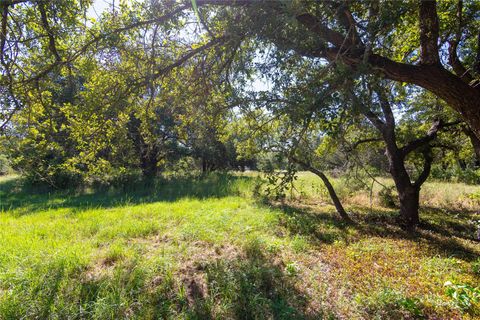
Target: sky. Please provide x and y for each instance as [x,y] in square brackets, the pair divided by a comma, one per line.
[99,6]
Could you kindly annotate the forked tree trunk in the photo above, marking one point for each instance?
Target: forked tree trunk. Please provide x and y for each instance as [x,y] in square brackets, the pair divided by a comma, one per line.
[408,193]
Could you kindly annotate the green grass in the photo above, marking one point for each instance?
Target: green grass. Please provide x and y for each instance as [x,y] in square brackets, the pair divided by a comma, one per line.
[205,248]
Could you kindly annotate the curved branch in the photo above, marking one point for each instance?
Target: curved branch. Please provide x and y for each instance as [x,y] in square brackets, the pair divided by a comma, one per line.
[427,166]
[355,144]
[431,135]
[183,59]
[331,191]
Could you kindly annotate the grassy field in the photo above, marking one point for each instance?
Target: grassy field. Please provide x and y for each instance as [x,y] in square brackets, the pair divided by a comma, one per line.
[206,248]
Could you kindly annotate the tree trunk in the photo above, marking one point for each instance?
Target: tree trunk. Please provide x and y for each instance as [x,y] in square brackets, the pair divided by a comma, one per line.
[408,193]
[475,144]
[148,163]
[409,205]
[331,191]
[333,195]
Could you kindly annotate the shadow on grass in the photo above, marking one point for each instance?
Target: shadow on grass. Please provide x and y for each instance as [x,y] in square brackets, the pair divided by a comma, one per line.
[321,227]
[250,286]
[444,231]
[448,222]
[25,199]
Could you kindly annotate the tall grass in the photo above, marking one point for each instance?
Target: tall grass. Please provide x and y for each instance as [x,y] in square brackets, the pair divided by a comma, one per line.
[200,248]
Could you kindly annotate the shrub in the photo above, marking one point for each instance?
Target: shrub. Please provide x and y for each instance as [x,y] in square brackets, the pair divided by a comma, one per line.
[4,165]
[476,267]
[292,269]
[386,197]
[456,174]
[57,178]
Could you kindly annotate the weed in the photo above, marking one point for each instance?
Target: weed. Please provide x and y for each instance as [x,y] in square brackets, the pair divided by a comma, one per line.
[465,296]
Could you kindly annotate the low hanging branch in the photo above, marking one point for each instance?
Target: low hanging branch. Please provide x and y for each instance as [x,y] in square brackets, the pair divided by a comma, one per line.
[96,39]
[331,191]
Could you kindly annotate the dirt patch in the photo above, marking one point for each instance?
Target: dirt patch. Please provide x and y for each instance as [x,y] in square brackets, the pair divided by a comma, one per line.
[192,271]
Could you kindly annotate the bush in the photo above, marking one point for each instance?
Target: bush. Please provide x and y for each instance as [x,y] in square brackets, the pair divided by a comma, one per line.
[121,179]
[4,165]
[387,197]
[57,178]
[456,174]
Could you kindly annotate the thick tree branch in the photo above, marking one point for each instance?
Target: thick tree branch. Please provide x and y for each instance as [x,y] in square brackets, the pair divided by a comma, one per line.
[417,143]
[459,95]
[427,166]
[431,135]
[48,29]
[374,119]
[386,109]
[456,64]
[429,32]
[313,24]
[346,19]
[453,59]
[3,34]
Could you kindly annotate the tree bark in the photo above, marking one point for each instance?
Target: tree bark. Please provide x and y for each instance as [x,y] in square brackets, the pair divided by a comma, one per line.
[408,191]
[475,144]
[429,32]
[333,195]
[331,190]
[409,204]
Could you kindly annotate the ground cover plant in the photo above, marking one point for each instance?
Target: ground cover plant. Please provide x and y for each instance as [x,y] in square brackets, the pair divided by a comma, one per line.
[206,247]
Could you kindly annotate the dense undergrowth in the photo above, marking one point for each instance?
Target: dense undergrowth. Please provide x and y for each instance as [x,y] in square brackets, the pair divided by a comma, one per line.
[207,248]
